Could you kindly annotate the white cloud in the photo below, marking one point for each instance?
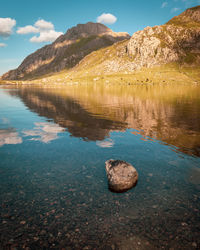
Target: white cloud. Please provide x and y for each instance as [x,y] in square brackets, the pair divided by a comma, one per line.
[6,26]
[3,45]
[46,36]
[44,25]
[106,18]
[27,29]
[45,29]
[175,9]
[164,4]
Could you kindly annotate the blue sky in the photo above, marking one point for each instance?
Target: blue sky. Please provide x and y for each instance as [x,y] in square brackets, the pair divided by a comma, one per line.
[47,19]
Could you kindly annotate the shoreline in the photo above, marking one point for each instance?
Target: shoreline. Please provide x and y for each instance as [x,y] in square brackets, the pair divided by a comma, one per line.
[165,74]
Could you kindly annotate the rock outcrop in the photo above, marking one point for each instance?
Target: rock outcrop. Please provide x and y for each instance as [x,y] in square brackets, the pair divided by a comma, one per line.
[165,44]
[66,51]
[176,41]
[121,175]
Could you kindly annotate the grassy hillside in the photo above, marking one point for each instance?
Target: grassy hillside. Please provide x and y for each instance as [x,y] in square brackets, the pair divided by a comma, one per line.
[95,68]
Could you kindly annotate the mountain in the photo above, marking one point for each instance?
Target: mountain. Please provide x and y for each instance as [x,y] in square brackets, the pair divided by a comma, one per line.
[84,51]
[66,51]
[177,41]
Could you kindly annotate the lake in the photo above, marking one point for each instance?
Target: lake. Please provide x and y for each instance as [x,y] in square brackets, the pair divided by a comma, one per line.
[54,142]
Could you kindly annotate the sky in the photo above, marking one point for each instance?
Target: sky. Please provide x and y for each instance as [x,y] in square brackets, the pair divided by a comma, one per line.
[27,25]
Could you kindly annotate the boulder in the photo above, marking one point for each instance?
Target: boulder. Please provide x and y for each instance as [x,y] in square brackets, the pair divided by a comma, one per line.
[121,175]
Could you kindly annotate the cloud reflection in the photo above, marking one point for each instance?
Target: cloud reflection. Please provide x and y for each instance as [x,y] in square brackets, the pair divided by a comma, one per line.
[9,136]
[105,144]
[44,132]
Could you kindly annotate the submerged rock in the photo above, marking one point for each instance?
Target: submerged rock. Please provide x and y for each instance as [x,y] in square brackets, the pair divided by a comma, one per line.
[121,175]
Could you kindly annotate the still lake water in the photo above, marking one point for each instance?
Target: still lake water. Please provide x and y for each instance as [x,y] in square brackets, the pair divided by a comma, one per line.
[53,146]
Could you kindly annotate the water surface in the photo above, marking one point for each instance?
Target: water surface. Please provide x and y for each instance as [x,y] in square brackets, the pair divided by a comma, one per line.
[53,145]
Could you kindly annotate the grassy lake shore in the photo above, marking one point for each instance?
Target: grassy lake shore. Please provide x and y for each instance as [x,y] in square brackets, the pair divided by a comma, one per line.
[166,74]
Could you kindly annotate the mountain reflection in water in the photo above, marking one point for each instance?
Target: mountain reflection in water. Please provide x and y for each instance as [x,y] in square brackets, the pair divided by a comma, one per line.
[170,114]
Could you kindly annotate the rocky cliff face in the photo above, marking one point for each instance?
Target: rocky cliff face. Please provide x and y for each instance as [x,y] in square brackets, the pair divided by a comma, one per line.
[176,41]
[66,51]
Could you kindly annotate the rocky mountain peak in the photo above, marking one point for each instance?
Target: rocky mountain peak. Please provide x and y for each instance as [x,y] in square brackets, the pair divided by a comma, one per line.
[84,30]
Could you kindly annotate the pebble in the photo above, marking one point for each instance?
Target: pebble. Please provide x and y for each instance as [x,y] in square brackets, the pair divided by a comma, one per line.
[23,222]
[184,224]
[154,206]
[43,232]
[194,244]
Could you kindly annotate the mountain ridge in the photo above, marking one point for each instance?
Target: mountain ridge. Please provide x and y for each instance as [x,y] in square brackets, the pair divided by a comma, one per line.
[66,51]
[152,46]
[176,42]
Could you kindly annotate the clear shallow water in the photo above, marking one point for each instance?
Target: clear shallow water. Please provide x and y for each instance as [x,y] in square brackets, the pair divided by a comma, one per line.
[53,145]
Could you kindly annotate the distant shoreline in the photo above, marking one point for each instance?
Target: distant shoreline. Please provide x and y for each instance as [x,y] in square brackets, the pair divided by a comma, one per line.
[166,74]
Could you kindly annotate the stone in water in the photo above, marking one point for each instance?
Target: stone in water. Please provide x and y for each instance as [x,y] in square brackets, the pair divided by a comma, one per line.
[121,175]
